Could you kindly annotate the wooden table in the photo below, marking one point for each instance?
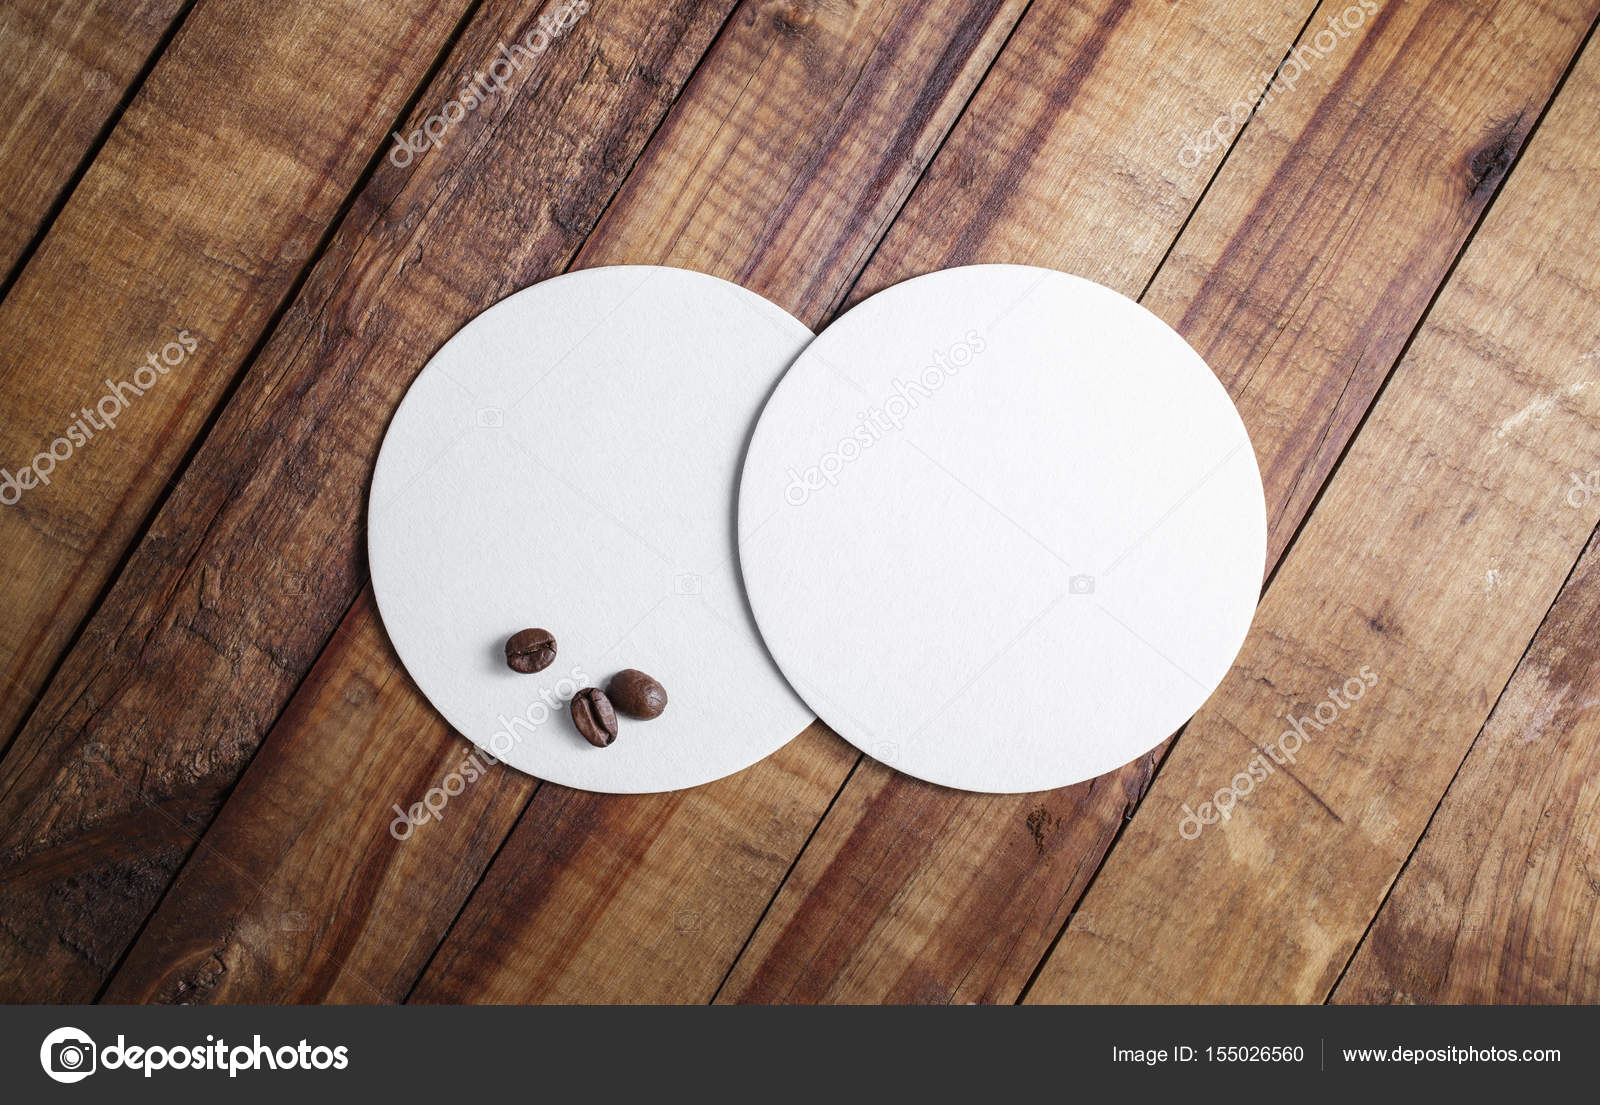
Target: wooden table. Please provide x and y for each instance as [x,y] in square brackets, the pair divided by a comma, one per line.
[1391,258]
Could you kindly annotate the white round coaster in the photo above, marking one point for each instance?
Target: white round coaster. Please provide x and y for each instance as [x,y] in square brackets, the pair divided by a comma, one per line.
[570,461]
[1002,528]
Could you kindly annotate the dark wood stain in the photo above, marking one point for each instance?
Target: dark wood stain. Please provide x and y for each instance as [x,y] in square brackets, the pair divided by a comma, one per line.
[1487,164]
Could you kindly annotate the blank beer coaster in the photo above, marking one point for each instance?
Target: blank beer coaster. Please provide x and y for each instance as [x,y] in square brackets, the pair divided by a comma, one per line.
[1002,528]
[569,460]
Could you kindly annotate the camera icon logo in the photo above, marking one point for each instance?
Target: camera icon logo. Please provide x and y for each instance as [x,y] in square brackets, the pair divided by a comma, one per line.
[1081,585]
[686,583]
[491,418]
[68,1055]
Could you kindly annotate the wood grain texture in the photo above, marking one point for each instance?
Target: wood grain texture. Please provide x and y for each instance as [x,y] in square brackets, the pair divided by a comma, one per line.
[251,563]
[1434,552]
[138,818]
[1072,155]
[196,218]
[863,70]
[1498,902]
[508,956]
[791,203]
[910,893]
[280,899]
[595,898]
[67,69]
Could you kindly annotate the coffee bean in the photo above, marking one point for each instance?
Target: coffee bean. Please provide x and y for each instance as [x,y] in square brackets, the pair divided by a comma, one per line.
[637,694]
[530,650]
[594,717]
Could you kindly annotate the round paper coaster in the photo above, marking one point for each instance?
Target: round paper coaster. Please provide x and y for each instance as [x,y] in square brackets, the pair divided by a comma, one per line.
[569,461]
[1002,528]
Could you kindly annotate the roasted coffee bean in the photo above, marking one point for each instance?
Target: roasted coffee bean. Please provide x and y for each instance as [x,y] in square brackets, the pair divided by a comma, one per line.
[637,694]
[530,650]
[594,717]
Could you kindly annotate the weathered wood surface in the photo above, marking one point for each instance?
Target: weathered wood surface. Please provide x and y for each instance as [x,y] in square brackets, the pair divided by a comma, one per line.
[1433,555]
[821,152]
[1058,71]
[1499,901]
[239,583]
[298,893]
[859,68]
[191,226]
[68,65]
[1299,278]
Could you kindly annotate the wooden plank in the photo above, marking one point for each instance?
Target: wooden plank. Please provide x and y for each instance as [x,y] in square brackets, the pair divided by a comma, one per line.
[179,244]
[1436,549]
[747,188]
[686,838]
[67,69]
[279,898]
[1497,904]
[250,564]
[910,893]
[889,78]
[562,900]
[1043,106]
